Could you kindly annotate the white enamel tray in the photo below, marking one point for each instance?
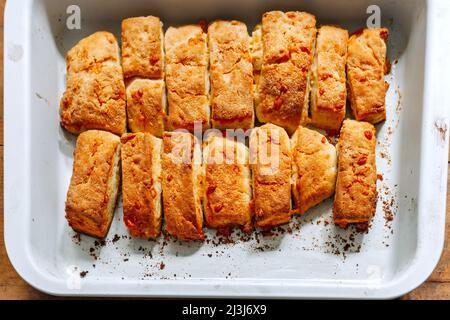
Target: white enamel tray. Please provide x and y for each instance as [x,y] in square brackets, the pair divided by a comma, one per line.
[311,257]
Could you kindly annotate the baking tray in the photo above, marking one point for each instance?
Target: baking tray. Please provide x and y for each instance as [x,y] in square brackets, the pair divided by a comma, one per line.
[309,257]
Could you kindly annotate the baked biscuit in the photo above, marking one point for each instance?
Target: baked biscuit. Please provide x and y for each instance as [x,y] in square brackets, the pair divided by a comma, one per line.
[270,155]
[146,106]
[227,192]
[95,93]
[187,77]
[283,89]
[366,66]
[231,74]
[181,183]
[328,89]
[141,185]
[92,194]
[142,47]
[356,186]
[313,167]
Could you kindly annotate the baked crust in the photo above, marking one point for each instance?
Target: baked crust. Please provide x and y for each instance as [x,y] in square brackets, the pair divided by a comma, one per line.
[92,193]
[314,168]
[366,67]
[91,51]
[181,183]
[187,77]
[270,154]
[356,186]
[95,93]
[146,106]
[283,88]
[142,47]
[227,193]
[186,45]
[328,90]
[141,185]
[231,75]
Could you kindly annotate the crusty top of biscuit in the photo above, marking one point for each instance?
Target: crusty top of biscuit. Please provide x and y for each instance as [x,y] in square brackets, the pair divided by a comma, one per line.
[93,166]
[145,105]
[139,191]
[142,52]
[97,48]
[287,35]
[231,71]
[270,156]
[366,66]
[181,186]
[356,189]
[186,45]
[288,42]
[227,185]
[95,99]
[315,162]
[331,57]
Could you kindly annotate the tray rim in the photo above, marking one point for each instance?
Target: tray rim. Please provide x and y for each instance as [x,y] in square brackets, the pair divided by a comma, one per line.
[433,194]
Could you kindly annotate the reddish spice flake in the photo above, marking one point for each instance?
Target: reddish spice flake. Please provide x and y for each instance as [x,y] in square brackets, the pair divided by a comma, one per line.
[137,94]
[129,223]
[368,134]
[380,177]
[321,91]
[277,103]
[259,213]
[283,88]
[211,189]
[162,265]
[169,178]
[324,140]
[154,59]
[362,160]
[384,34]
[306,50]
[218,207]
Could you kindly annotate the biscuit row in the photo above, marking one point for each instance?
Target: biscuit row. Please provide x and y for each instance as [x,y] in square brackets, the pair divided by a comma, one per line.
[225,183]
[287,73]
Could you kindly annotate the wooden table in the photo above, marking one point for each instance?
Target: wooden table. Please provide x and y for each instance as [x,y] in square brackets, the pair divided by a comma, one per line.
[13,287]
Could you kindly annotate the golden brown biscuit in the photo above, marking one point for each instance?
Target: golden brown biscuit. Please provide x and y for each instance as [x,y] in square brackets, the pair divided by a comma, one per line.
[141,184]
[328,89]
[227,193]
[181,183]
[186,45]
[270,154]
[142,47]
[231,74]
[356,186]
[313,167]
[92,194]
[95,93]
[91,51]
[146,106]
[283,88]
[187,77]
[366,66]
